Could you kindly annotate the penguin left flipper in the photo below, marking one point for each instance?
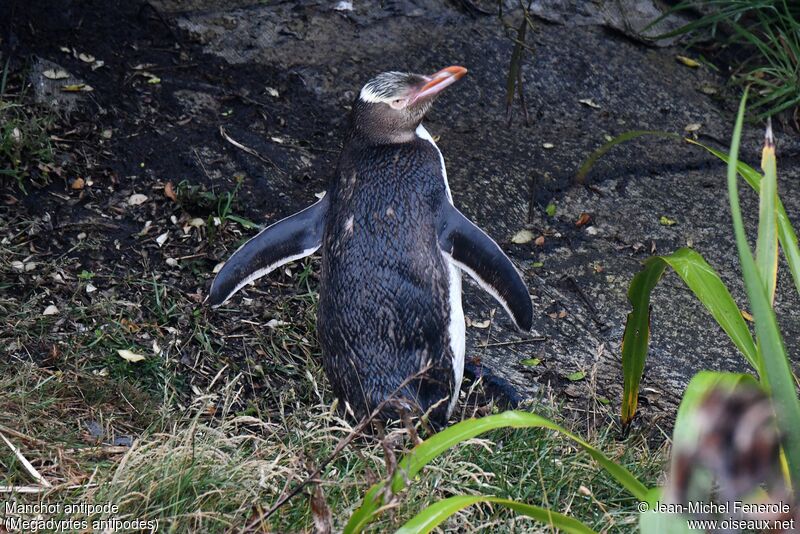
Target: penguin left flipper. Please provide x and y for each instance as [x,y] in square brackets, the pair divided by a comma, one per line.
[471,250]
[292,238]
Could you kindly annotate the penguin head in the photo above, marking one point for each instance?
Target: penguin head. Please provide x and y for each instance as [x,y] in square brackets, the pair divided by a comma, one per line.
[392,104]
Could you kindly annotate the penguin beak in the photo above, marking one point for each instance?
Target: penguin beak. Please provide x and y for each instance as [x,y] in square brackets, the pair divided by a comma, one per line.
[437,82]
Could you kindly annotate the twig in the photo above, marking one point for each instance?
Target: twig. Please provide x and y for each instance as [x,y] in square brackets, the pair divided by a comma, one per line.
[20,435]
[32,470]
[339,447]
[535,339]
[248,150]
[592,310]
[22,489]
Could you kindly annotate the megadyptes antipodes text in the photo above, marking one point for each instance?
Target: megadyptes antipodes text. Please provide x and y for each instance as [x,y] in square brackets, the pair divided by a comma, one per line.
[393,247]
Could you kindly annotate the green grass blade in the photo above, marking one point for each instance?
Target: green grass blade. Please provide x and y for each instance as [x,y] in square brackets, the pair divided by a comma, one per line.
[786,234]
[422,454]
[655,522]
[776,364]
[767,244]
[636,339]
[583,172]
[435,514]
[709,289]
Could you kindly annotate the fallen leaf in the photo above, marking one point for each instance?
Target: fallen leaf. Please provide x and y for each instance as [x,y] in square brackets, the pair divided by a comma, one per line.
[271,91]
[86,58]
[479,324]
[169,192]
[709,90]
[550,209]
[693,127]
[130,356]
[97,64]
[78,183]
[747,316]
[172,262]
[77,88]
[583,220]
[548,145]
[589,102]
[576,376]
[90,288]
[602,400]
[539,241]
[523,236]
[583,490]
[154,80]
[531,362]
[321,512]
[50,310]
[136,199]
[162,239]
[689,62]
[666,221]
[55,74]
[218,267]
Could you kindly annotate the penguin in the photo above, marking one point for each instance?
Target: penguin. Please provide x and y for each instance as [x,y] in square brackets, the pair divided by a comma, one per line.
[390,319]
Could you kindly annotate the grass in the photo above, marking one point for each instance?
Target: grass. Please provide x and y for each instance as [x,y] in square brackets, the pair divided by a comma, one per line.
[193,471]
[26,153]
[764,38]
[229,414]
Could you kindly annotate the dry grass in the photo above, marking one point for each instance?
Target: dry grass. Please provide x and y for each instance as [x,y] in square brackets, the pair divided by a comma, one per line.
[210,469]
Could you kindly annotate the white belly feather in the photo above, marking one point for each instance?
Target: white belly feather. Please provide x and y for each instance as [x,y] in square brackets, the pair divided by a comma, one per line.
[456,327]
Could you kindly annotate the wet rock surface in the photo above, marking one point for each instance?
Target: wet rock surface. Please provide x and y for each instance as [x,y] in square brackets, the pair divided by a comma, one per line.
[280,76]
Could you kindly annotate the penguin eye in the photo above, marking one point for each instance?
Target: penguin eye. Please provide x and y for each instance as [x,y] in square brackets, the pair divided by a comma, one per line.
[398,103]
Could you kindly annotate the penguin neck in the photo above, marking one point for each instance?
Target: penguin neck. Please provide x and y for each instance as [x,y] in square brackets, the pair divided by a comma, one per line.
[379,137]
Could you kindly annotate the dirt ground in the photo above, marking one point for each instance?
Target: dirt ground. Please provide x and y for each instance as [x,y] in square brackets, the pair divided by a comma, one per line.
[149,188]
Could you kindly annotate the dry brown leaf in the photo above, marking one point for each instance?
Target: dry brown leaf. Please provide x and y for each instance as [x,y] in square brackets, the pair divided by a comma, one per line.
[323,518]
[169,192]
[137,199]
[521,237]
[539,241]
[78,183]
[583,220]
[55,74]
[130,356]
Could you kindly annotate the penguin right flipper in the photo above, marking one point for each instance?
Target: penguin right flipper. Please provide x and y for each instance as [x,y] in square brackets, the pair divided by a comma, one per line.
[473,251]
[289,239]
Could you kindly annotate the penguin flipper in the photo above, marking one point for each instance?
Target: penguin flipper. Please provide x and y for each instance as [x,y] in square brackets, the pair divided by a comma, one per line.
[289,239]
[471,250]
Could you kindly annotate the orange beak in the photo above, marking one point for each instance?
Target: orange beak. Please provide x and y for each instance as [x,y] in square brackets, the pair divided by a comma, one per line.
[438,81]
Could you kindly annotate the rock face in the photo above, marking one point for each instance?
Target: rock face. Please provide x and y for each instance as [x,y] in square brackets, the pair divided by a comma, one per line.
[580,84]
